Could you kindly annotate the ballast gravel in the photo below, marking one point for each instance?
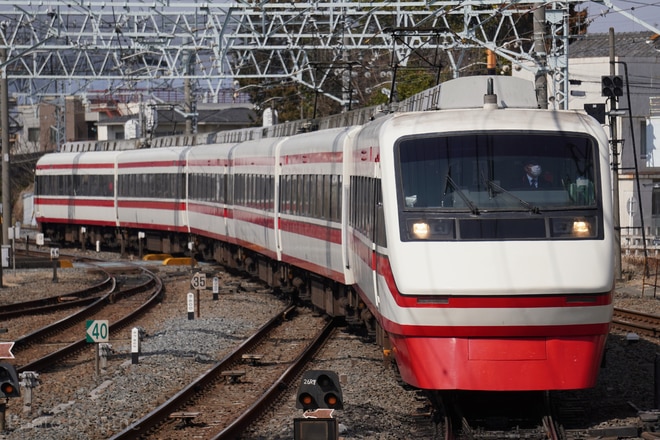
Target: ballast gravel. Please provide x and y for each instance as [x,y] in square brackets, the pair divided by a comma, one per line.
[176,349]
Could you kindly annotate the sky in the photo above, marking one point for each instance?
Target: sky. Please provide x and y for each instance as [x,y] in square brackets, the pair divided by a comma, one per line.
[601,20]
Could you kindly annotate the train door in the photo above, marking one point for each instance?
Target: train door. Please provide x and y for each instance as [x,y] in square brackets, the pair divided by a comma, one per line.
[377,236]
[363,234]
[277,199]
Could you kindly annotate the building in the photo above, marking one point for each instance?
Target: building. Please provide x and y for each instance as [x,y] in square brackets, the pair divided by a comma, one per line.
[42,128]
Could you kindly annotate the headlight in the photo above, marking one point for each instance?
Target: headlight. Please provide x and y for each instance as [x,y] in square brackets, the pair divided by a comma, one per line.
[581,228]
[421,230]
[575,227]
[430,229]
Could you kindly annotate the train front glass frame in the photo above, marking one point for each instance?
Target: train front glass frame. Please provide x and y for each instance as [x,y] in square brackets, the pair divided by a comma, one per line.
[473,186]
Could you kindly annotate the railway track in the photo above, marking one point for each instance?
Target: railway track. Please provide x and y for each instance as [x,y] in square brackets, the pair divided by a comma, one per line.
[40,349]
[79,298]
[637,322]
[249,380]
[493,416]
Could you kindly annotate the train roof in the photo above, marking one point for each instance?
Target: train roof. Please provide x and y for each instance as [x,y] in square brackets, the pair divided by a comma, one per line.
[459,93]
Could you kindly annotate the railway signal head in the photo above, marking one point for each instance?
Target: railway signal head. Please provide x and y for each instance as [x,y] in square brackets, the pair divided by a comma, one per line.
[612,85]
[9,384]
[319,389]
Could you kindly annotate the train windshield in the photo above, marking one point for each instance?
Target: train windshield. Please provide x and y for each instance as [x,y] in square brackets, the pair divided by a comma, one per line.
[479,174]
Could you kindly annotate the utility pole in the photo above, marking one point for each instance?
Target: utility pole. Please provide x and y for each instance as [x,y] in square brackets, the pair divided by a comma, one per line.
[6,193]
[540,78]
[187,91]
[615,168]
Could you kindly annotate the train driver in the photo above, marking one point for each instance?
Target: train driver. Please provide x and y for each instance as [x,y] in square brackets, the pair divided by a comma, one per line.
[533,178]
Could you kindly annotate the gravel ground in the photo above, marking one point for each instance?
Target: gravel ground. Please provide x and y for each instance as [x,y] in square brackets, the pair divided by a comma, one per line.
[176,349]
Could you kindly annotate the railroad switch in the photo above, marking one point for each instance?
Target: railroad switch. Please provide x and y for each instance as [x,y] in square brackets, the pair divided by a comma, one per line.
[185,418]
[233,376]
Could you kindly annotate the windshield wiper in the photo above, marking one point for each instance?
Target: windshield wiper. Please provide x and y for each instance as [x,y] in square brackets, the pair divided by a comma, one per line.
[496,188]
[461,194]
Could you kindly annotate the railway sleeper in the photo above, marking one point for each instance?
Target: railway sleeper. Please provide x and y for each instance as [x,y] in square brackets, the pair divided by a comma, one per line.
[252,359]
[185,418]
[233,376]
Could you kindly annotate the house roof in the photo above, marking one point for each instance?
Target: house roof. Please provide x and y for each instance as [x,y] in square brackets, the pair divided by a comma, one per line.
[626,45]
[212,116]
[231,115]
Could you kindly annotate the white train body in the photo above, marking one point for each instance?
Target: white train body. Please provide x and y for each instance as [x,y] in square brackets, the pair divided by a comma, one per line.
[415,223]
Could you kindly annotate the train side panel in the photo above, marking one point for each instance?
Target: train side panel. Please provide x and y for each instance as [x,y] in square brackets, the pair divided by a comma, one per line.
[76,188]
[208,190]
[151,191]
[252,224]
[310,224]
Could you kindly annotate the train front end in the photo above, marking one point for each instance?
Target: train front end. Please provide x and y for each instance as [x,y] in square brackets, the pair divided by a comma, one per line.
[497,273]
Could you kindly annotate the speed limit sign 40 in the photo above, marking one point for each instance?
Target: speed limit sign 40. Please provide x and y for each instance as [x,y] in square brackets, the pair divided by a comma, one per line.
[97,331]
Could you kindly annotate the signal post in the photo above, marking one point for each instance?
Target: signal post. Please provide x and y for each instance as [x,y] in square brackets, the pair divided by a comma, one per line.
[319,394]
[9,383]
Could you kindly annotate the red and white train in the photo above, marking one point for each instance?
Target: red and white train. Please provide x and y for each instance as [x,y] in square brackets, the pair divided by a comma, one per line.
[422,224]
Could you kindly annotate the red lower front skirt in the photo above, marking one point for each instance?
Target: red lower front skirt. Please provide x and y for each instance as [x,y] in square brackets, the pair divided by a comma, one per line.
[499,364]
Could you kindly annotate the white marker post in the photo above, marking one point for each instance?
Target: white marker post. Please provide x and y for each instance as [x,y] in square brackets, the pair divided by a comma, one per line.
[55,256]
[191,306]
[141,236]
[135,345]
[83,231]
[216,288]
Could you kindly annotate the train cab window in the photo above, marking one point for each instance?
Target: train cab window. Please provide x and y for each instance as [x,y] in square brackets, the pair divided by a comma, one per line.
[481,186]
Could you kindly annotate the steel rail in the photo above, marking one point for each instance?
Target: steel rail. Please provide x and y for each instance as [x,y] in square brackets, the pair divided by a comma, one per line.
[631,320]
[283,383]
[45,305]
[47,361]
[160,414]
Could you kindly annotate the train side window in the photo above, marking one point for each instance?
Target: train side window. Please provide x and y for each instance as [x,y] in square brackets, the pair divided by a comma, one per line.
[134,182]
[320,203]
[239,189]
[223,185]
[173,184]
[271,193]
[63,187]
[294,194]
[307,195]
[181,185]
[94,187]
[259,191]
[302,202]
[380,237]
[282,200]
[157,185]
[254,190]
[313,179]
[131,184]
